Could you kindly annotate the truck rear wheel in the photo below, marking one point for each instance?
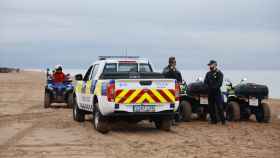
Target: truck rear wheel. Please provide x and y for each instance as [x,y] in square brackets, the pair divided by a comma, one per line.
[185,111]
[78,114]
[164,124]
[100,122]
[47,100]
[263,114]
[233,111]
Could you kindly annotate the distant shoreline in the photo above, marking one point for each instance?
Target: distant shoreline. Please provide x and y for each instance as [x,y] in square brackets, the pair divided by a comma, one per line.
[8,70]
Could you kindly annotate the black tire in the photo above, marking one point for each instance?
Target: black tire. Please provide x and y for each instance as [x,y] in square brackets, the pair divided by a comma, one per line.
[185,111]
[47,100]
[70,100]
[164,124]
[100,122]
[264,114]
[233,111]
[78,114]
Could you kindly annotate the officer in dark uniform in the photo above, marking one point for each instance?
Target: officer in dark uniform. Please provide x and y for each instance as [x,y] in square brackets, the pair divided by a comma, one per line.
[171,71]
[214,81]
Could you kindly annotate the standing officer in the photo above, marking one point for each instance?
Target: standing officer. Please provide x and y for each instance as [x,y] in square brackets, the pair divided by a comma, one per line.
[214,81]
[171,71]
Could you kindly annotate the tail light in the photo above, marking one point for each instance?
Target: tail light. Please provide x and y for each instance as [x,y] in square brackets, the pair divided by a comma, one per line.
[111,92]
[177,91]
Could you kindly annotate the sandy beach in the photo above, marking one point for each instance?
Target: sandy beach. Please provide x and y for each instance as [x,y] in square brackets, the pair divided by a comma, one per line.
[29,130]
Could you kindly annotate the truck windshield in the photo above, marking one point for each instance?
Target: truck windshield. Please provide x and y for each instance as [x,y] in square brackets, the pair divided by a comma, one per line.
[127,67]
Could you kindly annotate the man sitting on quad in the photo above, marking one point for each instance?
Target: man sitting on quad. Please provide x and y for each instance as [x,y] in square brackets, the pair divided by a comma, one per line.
[171,71]
[58,75]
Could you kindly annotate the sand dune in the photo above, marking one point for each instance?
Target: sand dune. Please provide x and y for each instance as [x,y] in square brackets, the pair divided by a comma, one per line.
[29,130]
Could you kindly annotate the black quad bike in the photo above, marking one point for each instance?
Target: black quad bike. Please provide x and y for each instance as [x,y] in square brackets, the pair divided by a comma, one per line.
[193,99]
[246,99]
[58,92]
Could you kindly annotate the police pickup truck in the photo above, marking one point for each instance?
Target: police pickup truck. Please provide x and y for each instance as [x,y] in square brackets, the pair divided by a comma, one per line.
[125,88]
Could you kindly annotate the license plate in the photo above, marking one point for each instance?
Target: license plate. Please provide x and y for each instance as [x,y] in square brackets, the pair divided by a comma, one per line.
[204,100]
[253,102]
[144,108]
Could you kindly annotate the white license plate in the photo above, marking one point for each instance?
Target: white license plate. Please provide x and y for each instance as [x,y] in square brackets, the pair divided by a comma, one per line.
[144,108]
[204,100]
[253,102]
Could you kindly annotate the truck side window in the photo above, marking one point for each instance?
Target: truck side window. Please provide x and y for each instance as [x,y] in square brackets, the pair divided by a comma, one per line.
[86,77]
[94,72]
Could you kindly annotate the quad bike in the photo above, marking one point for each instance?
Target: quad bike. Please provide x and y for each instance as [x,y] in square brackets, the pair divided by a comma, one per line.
[246,99]
[193,99]
[58,92]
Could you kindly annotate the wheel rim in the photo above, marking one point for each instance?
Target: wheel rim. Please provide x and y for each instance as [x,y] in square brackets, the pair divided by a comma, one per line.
[75,111]
[96,119]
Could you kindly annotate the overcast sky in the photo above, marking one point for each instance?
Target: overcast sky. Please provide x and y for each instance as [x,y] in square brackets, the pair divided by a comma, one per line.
[239,34]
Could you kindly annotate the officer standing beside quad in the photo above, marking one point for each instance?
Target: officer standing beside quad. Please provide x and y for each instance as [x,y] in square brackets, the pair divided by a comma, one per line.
[171,71]
[214,80]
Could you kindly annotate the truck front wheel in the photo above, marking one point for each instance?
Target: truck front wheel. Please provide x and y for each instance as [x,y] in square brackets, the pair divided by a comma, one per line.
[78,114]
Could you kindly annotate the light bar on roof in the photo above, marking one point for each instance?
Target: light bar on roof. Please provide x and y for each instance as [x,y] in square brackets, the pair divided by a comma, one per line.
[118,57]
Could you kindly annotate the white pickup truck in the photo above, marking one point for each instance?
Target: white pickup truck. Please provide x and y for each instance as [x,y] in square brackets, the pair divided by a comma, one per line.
[115,88]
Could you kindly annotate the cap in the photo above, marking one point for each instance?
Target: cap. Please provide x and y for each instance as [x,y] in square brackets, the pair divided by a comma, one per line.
[211,62]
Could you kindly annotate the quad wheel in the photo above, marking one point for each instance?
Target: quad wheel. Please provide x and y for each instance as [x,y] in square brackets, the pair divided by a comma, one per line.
[47,100]
[185,111]
[233,111]
[70,100]
[263,114]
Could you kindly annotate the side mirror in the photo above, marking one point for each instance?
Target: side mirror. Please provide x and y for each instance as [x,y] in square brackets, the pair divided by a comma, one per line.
[78,77]
[243,80]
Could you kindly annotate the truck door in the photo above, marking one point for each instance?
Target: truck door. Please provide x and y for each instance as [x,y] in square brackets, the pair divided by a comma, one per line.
[81,95]
[91,86]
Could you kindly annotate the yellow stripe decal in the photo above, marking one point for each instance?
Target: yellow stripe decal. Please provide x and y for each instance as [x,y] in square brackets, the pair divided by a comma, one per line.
[170,95]
[88,86]
[157,94]
[143,97]
[122,94]
[79,86]
[98,88]
[132,96]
